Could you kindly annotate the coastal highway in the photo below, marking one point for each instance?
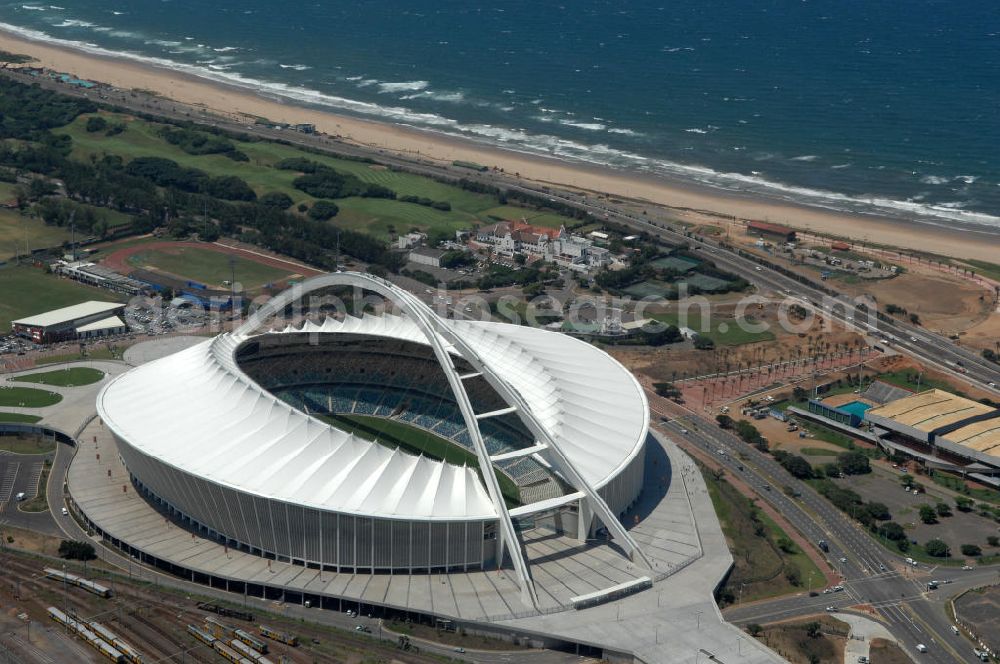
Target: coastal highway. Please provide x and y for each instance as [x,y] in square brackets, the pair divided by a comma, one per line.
[872,575]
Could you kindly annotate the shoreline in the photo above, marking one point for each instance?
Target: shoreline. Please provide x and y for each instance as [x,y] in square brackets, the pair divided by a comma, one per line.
[689,201]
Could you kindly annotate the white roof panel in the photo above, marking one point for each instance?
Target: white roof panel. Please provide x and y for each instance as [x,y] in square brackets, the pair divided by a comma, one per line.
[197,411]
[69,314]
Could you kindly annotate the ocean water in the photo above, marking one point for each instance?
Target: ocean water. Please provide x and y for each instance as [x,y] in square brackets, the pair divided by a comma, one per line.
[878,107]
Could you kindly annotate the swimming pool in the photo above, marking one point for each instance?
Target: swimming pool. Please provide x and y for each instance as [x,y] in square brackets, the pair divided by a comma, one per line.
[858,408]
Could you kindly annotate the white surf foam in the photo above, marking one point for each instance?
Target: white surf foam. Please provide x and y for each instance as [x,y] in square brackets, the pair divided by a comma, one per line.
[402,86]
[589,126]
[523,141]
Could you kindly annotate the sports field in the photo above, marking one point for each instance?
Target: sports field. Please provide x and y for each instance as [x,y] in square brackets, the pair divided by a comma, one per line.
[141,138]
[415,440]
[27,397]
[69,377]
[207,266]
[26,291]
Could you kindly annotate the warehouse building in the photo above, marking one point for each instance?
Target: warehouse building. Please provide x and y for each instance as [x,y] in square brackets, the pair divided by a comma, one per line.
[774,231]
[943,429]
[80,321]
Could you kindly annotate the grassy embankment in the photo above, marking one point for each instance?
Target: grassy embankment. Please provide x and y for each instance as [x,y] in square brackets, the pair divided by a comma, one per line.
[761,566]
[27,444]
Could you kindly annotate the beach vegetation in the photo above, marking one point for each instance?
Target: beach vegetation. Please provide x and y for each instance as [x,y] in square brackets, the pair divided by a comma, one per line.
[323,210]
[96,123]
[276,199]
[200,143]
[937,548]
[15,58]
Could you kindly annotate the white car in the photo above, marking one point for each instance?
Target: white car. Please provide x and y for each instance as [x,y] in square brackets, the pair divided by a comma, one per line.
[65,512]
[758,268]
[913,339]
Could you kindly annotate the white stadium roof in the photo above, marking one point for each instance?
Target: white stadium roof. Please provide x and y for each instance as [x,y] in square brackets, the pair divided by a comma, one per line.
[199,412]
[69,314]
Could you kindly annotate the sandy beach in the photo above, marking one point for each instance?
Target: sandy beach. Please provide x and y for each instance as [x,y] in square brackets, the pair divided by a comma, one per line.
[230,99]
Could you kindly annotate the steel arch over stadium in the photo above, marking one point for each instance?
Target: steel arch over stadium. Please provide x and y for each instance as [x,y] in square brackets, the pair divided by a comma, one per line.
[206,441]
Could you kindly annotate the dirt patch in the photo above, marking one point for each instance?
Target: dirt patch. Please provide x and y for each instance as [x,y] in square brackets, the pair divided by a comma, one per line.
[984,335]
[820,639]
[944,303]
[886,652]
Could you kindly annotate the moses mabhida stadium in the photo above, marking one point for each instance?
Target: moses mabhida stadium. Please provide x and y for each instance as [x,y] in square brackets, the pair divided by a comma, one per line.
[400,443]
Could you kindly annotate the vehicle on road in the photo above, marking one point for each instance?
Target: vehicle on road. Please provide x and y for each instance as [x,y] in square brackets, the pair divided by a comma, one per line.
[65,512]
[921,647]
[831,609]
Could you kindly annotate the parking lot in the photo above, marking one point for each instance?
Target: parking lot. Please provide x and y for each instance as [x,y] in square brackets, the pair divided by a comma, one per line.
[18,473]
[960,528]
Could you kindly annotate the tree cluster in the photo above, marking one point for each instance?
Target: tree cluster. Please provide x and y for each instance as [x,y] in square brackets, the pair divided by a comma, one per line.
[76,550]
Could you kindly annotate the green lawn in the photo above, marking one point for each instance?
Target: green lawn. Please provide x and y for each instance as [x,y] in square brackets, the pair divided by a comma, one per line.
[415,440]
[69,377]
[19,418]
[25,291]
[27,397]
[207,266]
[722,332]
[141,138]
